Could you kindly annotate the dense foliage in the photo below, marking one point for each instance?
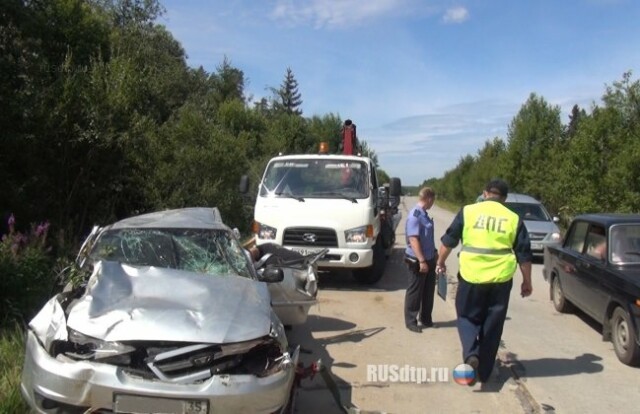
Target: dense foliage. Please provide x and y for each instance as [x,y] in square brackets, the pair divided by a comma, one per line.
[103,118]
[591,164]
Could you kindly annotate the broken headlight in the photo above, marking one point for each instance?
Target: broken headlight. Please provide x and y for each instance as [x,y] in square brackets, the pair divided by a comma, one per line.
[82,347]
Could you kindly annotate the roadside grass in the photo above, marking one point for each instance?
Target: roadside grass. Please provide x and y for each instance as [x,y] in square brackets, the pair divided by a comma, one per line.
[448,205]
[11,358]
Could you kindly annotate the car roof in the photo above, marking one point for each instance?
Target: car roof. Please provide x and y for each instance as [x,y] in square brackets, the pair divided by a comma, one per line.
[610,218]
[194,218]
[521,198]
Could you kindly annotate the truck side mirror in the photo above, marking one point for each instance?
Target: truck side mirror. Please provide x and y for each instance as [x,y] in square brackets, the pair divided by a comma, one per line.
[383,198]
[244,184]
[395,187]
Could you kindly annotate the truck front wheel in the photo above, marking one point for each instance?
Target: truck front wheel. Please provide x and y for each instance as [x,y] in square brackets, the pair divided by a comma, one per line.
[370,275]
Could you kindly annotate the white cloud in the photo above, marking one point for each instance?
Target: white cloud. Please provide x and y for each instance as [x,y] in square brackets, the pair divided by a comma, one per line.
[336,13]
[456,15]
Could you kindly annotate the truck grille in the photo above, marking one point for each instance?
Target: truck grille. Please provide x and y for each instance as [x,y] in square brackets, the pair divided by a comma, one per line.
[310,236]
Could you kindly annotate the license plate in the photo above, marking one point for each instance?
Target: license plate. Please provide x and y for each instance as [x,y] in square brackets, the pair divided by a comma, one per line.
[536,246]
[305,252]
[135,404]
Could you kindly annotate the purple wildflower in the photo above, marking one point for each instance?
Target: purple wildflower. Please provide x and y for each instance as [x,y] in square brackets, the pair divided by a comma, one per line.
[11,222]
[21,239]
[41,230]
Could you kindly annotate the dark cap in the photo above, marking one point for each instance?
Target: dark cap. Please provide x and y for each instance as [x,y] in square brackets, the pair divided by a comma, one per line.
[497,187]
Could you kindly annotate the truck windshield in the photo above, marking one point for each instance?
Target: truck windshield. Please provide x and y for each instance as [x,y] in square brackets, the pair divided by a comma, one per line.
[316,178]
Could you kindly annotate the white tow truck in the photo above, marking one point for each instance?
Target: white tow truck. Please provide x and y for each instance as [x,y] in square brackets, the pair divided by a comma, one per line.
[310,202]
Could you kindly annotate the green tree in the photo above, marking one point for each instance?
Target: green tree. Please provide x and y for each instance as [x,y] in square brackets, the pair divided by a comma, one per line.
[196,163]
[325,129]
[601,170]
[383,177]
[287,98]
[228,82]
[532,138]
[575,118]
[287,133]
[485,168]
[368,151]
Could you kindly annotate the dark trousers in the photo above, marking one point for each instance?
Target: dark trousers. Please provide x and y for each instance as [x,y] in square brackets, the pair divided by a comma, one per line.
[419,297]
[482,310]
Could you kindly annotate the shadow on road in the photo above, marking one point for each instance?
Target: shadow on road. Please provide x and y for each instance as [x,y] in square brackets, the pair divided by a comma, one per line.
[314,395]
[395,277]
[509,366]
[554,367]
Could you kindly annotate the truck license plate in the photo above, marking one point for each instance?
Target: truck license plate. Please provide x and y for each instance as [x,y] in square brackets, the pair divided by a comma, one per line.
[304,251]
[130,404]
[536,246]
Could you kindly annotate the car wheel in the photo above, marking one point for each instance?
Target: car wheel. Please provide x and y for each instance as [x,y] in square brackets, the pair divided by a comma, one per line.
[370,275]
[623,336]
[560,302]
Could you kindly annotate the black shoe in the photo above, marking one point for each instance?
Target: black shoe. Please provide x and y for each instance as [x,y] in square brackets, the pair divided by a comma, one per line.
[474,363]
[414,328]
[427,325]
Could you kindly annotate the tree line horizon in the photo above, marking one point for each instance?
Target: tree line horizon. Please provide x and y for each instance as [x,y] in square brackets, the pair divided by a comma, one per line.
[590,164]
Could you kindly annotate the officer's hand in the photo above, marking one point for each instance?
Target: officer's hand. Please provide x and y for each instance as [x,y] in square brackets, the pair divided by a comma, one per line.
[424,267]
[526,289]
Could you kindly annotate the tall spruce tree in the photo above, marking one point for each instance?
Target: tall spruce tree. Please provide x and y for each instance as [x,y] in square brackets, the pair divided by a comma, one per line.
[288,99]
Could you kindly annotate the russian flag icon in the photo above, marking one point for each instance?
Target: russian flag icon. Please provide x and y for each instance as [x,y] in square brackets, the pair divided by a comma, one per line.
[464,374]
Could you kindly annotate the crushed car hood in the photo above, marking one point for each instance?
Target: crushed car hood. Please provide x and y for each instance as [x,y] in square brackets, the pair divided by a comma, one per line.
[130,303]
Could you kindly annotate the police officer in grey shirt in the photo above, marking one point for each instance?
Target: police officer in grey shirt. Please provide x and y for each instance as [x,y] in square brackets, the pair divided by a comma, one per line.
[420,256]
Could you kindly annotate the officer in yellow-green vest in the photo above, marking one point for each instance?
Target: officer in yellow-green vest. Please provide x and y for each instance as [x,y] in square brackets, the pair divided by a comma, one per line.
[494,242]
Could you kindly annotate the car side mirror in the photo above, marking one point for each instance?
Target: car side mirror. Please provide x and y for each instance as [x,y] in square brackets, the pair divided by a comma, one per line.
[271,275]
[556,219]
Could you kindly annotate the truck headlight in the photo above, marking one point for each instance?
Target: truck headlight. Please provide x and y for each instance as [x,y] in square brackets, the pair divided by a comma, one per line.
[359,234]
[263,231]
[555,237]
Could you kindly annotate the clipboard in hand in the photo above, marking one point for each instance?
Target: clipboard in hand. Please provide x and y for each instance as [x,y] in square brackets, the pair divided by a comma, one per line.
[442,285]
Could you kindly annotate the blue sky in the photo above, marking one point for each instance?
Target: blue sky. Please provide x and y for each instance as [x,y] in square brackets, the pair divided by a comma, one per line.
[426,81]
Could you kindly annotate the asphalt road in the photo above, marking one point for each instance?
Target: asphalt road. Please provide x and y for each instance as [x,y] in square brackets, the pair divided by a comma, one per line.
[549,362]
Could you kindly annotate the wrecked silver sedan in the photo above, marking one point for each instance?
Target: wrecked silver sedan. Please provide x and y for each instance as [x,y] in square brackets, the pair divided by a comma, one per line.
[171,318]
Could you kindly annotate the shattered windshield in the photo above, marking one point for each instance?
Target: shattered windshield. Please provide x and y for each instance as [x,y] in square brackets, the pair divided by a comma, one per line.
[212,252]
[316,178]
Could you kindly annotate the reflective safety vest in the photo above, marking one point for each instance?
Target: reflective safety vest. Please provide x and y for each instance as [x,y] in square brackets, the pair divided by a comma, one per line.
[488,236]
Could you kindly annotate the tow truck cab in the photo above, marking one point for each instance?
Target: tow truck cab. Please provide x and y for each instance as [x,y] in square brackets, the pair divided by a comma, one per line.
[311,202]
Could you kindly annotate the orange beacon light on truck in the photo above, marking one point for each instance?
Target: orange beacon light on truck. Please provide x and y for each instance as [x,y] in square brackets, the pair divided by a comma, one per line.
[324,148]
